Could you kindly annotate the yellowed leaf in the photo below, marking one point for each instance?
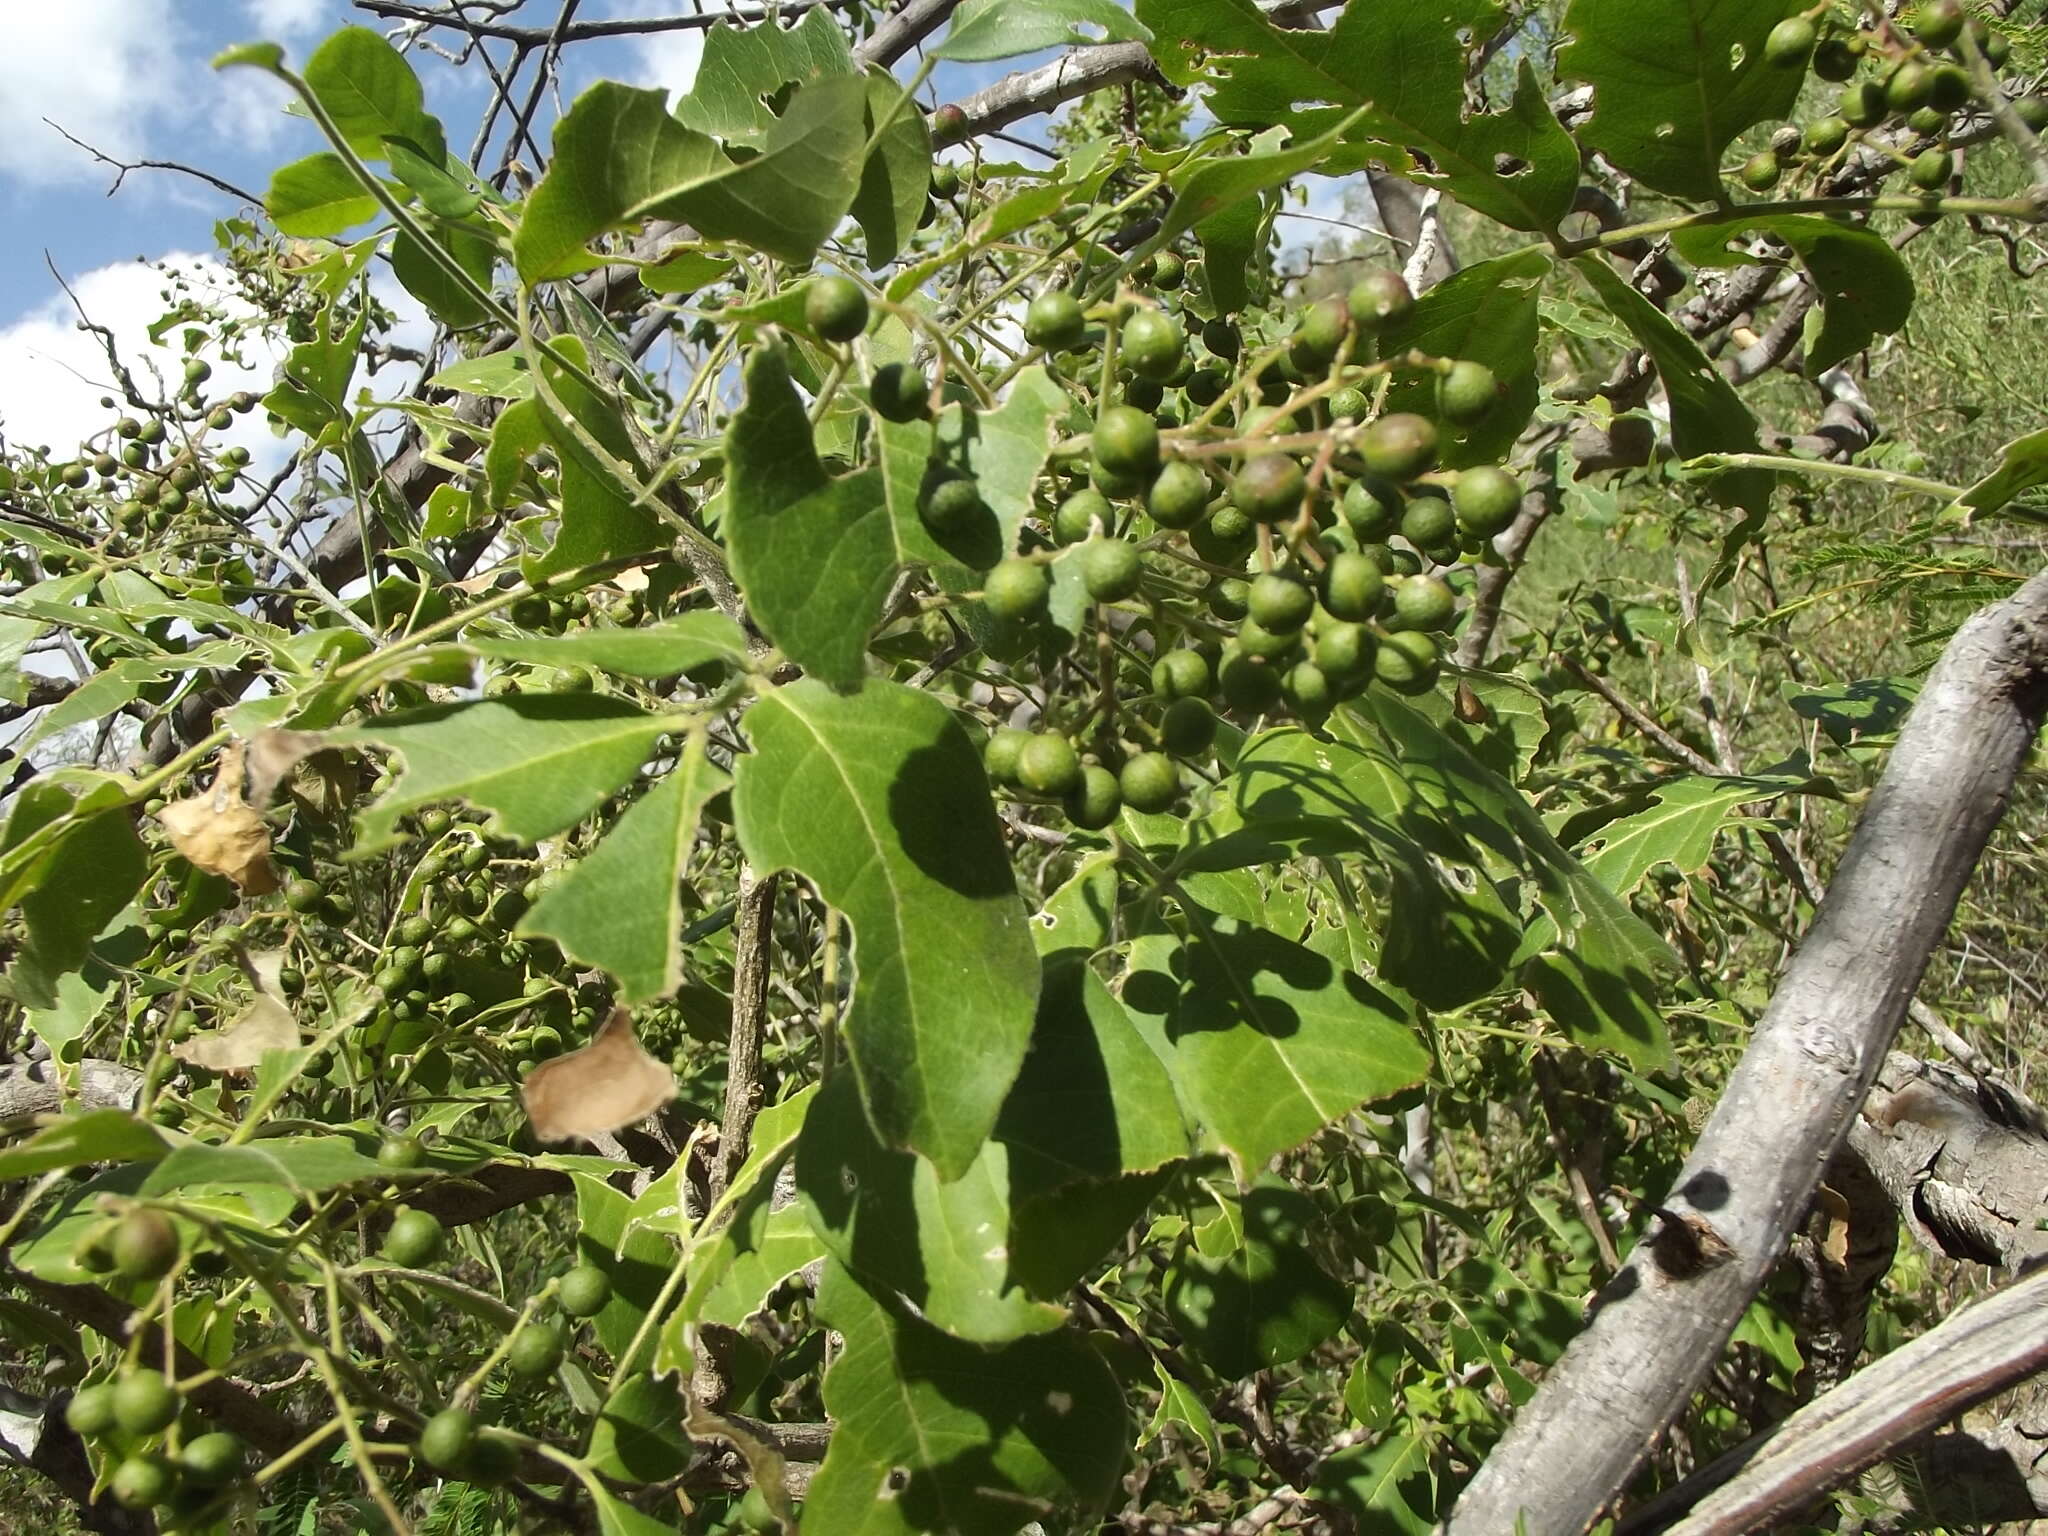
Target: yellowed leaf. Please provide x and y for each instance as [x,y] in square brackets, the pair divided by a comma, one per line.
[272,757]
[611,1083]
[221,832]
[265,1025]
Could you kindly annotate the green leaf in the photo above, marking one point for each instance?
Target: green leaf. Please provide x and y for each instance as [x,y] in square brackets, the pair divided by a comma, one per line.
[445,187]
[600,517]
[638,1434]
[538,763]
[91,872]
[428,281]
[1487,313]
[2022,465]
[316,197]
[743,68]
[615,1517]
[934,1434]
[1002,29]
[879,799]
[619,907]
[1674,84]
[887,1217]
[1231,240]
[1179,1403]
[1268,1040]
[636,1258]
[305,1165]
[500,375]
[313,393]
[1387,1486]
[897,177]
[371,93]
[1205,186]
[667,649]
[1707,415]
[1265,1303]
[1865,290]
[95,1136]
[1006,448]
[1406,62]
[1862,713]
[1677,825]
[266,56]
[814,556]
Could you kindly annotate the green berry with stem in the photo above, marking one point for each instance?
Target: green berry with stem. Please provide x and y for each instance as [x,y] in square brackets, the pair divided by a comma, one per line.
[1398,447]
[1179,495]
[1188,728]
[1343,652]
[1081,515]
[1054,321]
[900,393]
[1126,441]
[1372,507]
[836,309]
[1001,755]
[1110,569]
[1279,602]
[446,1438]
[143,1481]
[1149,782]
[1379,301]
[1466,392]
[1826,135]
[1269,488]
[1321,331]
[1094,800]
[1352,587]
[1761,171]
[1407,661]
[1152,345]
[1016,589]
[144,1402]
[1424,602]
[1790,43]
[1181,674]
[1487,499]
[414,1239]
[1929,170]
[1048,764]
[584,1291]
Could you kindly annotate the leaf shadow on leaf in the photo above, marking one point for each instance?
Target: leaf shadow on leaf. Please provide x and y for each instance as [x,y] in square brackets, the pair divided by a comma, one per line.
[939,793]
[977,541]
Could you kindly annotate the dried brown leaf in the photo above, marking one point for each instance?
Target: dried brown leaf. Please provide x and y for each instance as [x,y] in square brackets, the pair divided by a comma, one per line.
[265,1025]
[272,757]
[609,1084]
[222,833]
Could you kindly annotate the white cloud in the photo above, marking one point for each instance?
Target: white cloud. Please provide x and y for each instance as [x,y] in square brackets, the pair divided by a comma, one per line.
[105,69]
[52,374]
[285,18]
[666,59]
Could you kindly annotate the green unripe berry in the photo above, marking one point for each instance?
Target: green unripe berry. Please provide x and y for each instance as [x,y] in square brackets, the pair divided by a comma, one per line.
[1790,42]
[1048,764]
[1487,499]
[1206,386]
[1826,135]
[1168,270]
[945,178]
[1407,662]
[1182,674]
[1110,569]
[446,1438]
[1229,598]
[1950,89]
[1761,171]
[1371,507]
[1308,691]
[144,1402]
[1352,587]
[1016,589]
[1080,515]
[1054,321]
[1126,441]
[1834,60]
[1928,122]
[91,1410]
[1321,332]
[1343,652]
[1093,802]
[1428,523]
[535,1352]
[900,392]
[1254,639]
[414,1239]
[1188,728]
[1929,170]
[144,1246]
[402,1154]
[836,309]
[1379,301]
[584,1291]
[2033,111]
[128,426]
[1247,684]
[1467,392]
[1179,496]
[1349,404]
[1995,46]
[213,1460]
[1424,602]
[1222,339]
[1269,488]
[197,370]
[1861,104]
[143,1481]
[1398,447]
[1280,603]
[1937,23]
[1149,782]
[1910,87]
[1152,345]
[950,503]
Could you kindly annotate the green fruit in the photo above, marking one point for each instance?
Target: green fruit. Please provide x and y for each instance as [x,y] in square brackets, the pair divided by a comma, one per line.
[1016,589]
[1048,764]
[1790,42]
[585,1290]
[144,1246]
[1222,339]
[1181,674]
[418,929]
[213,1460]
[1000,756]
[755,1513]
[1371,507]
[1423,602]
[91,1410]
[1079,516]
[1149,782]
[1343,652]
[2033,111]
[1188,727]
[1407,662]
[1263,644]
[492,1460]
[1206,386]
[1761,171]
[900,392]
[1247,684]
[1398,447]
[1861,104]
[1487,500]
[1467,393]
[1307,691]
[144,1402]
[446,1438]
[75,475]
[1937,23]
[1269,488]
[414,1239]
[1126,441]
[1910,88]
[1929,170]
[1826,135]
[1229,598]
[836,309]
[1379,301]
[1428,522]
[1093,802]
[1352,587]
[1054,321]
[1349,404]
[142,1482]
[1152,345]
[1168,270]
[1280,603]
[400,1154]
[198,370]
[536,1351]
[1950,91]
[945,179]
[950,503]
[1110,569]
[1321,332]
[1995,46]
[1179,496]
[128,426]
[1834,59]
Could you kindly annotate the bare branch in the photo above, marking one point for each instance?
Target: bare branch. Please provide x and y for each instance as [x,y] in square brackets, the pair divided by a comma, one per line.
[123,167]
[585,31]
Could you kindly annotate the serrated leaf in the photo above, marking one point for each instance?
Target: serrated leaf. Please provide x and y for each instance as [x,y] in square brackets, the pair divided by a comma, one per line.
[667,649]
[1181,1404]
[371,93]
[601,518]
[885,1215]
[934,1434]
[879,799]
[1707,415]
[619,907]
[1486,313]
[1675,83]
[500,375]
[1677,825]
[1267,1040]
[1865,290]
[1386,1486]
[1002,29]
[1006,448]
[538,763]
[1205,186]
[744,67]
[316,197]
[1406,62]
[1264,1303]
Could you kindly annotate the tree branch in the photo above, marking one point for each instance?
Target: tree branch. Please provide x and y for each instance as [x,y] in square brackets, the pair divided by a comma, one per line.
[1660,1324]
